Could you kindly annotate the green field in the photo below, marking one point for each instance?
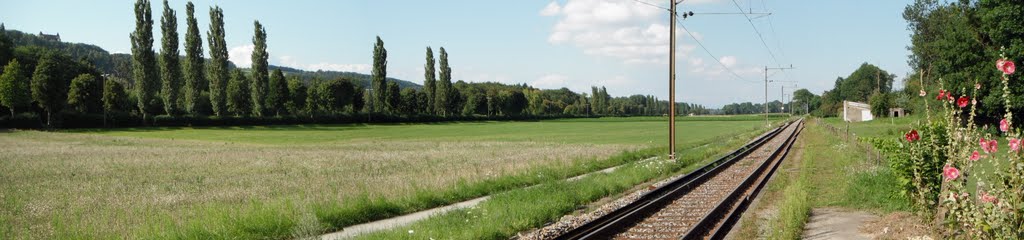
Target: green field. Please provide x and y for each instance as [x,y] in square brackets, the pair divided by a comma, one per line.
[293,181]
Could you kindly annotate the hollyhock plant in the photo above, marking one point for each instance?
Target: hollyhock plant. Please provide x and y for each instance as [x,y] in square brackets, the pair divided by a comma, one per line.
[1004,125]
[987,198]
[950,173]
[912,136]
[1006,66]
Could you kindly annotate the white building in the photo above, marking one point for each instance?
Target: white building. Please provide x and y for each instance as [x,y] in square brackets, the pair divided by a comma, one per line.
[856,112]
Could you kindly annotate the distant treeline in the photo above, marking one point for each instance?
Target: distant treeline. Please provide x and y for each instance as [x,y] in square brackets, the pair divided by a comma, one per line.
[57,84]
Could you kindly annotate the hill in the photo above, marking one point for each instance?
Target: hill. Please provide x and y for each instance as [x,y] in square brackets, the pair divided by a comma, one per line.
[119,64]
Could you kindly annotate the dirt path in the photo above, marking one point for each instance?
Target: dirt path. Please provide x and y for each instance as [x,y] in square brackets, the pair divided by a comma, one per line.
[833,223]
[384,224]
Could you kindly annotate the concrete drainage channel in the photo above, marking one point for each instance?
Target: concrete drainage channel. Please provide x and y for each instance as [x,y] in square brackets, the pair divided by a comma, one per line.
[384,224]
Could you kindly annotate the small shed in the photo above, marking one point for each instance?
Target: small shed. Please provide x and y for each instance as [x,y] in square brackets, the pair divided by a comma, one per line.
[856,112]
[896,112]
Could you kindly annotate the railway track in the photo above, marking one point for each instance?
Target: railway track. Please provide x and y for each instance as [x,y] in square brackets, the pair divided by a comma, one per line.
[703,204]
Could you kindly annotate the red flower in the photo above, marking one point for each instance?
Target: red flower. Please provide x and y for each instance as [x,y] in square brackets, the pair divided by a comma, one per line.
[942,95]
[1004,125]
[962,102]
[975,156]
[950,172]
[985,197]
[912,136]
[1006,66]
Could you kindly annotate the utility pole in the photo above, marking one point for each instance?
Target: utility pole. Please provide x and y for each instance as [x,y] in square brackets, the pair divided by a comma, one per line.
[672,81]
[766,68]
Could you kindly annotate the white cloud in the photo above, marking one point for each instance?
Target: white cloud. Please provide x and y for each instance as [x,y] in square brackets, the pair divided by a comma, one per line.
[551,9]
[630,31]
[550,81]
[728,61]
[241,55]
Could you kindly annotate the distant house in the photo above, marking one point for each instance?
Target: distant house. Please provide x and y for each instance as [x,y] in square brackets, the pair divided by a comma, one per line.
[49,37]
[856,112]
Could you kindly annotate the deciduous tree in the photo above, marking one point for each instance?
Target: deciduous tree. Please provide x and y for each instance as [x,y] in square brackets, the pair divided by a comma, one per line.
[14,87]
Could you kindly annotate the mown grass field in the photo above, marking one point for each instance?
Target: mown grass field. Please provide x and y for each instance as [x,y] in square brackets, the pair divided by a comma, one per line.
[294,181]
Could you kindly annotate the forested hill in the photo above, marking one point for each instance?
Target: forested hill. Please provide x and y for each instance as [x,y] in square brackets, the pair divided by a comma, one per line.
[362,79]
[119,64]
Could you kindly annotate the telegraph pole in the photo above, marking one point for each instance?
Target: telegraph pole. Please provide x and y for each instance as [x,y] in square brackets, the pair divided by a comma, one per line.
[672,80]
[766,68]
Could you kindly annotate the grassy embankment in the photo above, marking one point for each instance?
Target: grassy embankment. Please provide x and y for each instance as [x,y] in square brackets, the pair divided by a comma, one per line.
[509,213]
[292,181]
[826,170]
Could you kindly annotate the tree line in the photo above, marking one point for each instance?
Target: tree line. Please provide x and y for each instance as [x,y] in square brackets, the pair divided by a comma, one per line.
[44,78]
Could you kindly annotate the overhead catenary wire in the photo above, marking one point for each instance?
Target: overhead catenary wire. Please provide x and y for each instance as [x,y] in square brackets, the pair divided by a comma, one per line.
[758,32]
[699,43]
[651,4]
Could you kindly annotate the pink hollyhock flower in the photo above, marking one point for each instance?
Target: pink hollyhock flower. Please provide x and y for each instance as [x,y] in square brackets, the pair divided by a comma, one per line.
[993,146]
[975,156]
[912,136]
[951,173]
[962,102]
[1004,125]
[942,95]
[922,93]
[1014,145]
[985,197]
[1006,66]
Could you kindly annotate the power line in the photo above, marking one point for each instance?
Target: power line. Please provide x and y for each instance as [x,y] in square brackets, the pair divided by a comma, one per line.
[758,33]
[711,54]
[650,4]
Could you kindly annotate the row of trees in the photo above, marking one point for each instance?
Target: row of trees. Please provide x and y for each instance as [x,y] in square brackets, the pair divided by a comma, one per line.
[169,84]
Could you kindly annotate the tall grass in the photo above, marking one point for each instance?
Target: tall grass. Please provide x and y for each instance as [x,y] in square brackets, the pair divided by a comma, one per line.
[508,213]
[284,182]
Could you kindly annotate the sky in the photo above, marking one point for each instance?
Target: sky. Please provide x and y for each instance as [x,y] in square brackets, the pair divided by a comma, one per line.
[620,44]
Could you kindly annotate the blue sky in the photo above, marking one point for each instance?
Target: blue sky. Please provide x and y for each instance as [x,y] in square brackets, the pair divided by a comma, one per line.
[621,44]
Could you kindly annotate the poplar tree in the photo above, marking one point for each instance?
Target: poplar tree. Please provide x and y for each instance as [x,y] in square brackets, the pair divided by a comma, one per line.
[277,95]
[429,81]
[144,68]
[444,87]
[170,68]
[379,83]
[218,68]
[259,70]
[14,87]
[195,77]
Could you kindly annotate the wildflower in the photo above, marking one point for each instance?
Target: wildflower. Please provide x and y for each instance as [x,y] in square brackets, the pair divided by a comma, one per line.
[962,102]
[950,172]
[1004,125]
[922,93]
[912,136]
[985,197]
[1014,145]
[1006,66]
[975,156]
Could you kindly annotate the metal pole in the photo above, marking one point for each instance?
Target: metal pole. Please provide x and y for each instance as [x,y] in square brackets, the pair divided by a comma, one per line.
[672,81]
[766,96]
